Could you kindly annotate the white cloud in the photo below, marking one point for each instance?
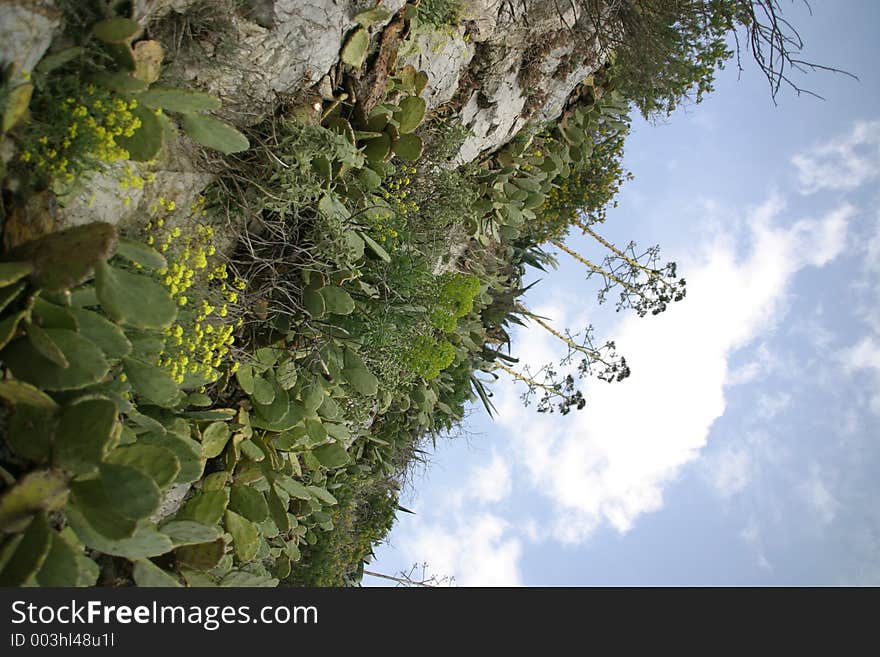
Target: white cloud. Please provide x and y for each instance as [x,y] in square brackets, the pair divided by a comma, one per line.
[729,471]
[751,536]
[772,404]
[818,496]
[865,355]
[610,462]
[490,483]
[844,163]
[478,551]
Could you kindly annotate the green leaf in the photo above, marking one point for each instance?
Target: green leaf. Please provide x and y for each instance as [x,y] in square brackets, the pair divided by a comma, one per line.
[29,554]
[378,150]
[84,435]
[61,567]
[9,293]
[19,392]
[116,30]
[264,391]
[187,451]
[66,258]
[16,105]
[337,300]
[354,52]
[375,247]
[86,362]
[245,536]
[147,140]
[119,81]
[146,573]
[40,490]
[214,134]
[140,253]
[189,532]
[207,507]
[151,382]
[203,556]
[11,272]
[53,316]
[58,59]
[214,439]
[331,456]
[245,377]
[104,333]
[30,431]
[313,301]
[43,344]
[411,112]
[134,493]
[133,298]
[362,380]
[369,16]
[145,542]
[184,101]
[408,147]
[322,494]
[294,488]
[100,511]
[277,510]
[249,503]
[159,463]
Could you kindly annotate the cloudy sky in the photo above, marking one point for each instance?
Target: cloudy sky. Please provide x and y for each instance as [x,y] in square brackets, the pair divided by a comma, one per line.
[744,447]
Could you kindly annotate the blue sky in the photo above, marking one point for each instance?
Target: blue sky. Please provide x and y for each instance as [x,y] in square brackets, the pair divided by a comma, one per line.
[744,447]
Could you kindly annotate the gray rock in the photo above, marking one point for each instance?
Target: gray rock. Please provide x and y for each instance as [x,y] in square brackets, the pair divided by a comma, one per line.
[26,29]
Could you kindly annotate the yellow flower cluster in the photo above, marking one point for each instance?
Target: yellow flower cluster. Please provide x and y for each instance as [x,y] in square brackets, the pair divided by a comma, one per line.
[386,225]
[86,128]
[203,335]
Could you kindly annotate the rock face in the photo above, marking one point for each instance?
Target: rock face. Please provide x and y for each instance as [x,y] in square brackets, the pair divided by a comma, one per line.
[26,30]
[506,64]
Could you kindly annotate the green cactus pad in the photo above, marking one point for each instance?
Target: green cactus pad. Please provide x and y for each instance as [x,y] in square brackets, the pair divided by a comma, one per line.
[206,507]
[11,272]
[133,299]
[29,554]
[116,30]
[354,52]
[214,439]
[214,133]
[331,456]
[67,258]
[87,364]
[41,490]
[248,502]
[410,115]
[159,463]
[151,382]
[61,566]
[189,532]
[408,147]
[146,142]
[245,536]
[84,435]
[105,334]
[179,100]
[146,573]
[336,300]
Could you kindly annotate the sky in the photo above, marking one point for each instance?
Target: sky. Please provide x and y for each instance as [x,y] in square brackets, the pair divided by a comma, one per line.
[744,447]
